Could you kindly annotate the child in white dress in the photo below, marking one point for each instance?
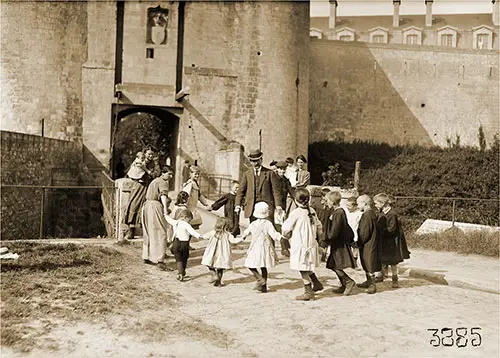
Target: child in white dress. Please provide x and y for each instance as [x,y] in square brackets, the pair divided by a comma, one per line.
[138,167]
[304,226]
[261,252]
[217,255]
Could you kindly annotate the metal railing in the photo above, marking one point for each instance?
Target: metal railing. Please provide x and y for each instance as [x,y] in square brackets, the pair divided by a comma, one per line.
[213,186]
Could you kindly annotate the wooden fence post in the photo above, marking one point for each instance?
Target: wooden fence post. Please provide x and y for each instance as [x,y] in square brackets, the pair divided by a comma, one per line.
[356,174]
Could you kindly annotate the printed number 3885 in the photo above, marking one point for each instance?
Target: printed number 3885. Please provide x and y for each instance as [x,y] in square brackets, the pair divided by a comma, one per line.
[445,337]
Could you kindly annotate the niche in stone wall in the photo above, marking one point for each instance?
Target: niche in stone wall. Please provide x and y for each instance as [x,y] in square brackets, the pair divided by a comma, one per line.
[157,26]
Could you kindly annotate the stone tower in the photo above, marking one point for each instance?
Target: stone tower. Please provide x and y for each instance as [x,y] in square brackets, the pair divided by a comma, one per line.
[246,64]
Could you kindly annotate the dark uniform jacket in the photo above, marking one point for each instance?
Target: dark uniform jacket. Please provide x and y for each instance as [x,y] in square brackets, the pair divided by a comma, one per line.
[368,236]
[339,235]
[392,243]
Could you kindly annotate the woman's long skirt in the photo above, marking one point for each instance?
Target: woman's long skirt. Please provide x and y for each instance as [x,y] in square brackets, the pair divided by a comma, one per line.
[155,231]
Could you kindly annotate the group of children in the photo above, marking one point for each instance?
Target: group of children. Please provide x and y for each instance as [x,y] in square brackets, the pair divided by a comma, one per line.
[368,228]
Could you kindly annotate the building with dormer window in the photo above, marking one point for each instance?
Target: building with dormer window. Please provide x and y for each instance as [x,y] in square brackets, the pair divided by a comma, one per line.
[472,31]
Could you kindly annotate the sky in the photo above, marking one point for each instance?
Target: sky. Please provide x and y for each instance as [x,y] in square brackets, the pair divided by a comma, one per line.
[408,7]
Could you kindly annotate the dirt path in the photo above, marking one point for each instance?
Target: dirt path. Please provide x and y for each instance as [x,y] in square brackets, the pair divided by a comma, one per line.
[234,320]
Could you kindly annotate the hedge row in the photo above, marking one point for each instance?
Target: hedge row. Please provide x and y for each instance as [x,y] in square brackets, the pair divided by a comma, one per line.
[458,172]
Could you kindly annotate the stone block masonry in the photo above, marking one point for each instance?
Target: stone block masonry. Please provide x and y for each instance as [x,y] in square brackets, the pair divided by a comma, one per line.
[401,94]
[43,48]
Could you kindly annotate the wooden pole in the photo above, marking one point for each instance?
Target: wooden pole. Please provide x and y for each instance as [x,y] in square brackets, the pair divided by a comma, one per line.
[42,214]
[453,215]
[356,174]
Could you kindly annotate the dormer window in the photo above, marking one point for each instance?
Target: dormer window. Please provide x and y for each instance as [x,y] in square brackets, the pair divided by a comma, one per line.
[447,40]
[314,32]
[447,36]
[483,37]
[346,34]
[412,35]
[379,35]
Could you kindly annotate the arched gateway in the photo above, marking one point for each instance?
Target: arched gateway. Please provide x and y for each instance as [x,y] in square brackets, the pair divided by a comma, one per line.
[245,64]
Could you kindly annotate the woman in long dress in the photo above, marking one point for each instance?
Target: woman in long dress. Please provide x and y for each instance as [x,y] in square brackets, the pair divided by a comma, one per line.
[155,227]
[138,193]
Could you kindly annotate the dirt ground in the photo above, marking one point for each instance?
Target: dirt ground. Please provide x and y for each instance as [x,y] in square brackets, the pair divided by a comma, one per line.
[236,321]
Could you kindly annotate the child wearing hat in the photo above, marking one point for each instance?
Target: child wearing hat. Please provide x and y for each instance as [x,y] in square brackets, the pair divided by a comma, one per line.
[261,253]
[304,226]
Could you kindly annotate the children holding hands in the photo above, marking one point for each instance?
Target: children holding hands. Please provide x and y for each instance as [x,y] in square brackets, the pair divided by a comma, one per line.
[182,232]
[304,226]
[217,255]
[261,253]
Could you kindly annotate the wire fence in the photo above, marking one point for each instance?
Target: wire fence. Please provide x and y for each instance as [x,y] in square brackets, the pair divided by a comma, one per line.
[416,209]
[42,211]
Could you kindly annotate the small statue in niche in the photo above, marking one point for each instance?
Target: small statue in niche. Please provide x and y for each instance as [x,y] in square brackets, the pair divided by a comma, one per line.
[157,26]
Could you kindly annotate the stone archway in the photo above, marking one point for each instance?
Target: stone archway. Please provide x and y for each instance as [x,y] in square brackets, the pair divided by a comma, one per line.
[138,127]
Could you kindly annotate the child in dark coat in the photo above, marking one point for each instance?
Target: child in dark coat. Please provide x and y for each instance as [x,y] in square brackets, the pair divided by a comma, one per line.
[286,191]
[339,236]
[368,243]
[392,245]
[227,201]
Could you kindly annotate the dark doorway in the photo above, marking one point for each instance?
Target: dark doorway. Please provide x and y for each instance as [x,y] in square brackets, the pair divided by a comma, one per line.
[139,127]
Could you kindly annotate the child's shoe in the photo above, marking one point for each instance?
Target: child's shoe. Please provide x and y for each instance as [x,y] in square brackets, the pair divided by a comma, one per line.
[372,288]
[217,283]
[395,283]
[258,285]
[308,294]
[349,286]
[263,288]
[339,290]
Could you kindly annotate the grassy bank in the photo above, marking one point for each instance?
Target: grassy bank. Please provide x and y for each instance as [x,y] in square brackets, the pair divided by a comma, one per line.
[474,242]
[68,282]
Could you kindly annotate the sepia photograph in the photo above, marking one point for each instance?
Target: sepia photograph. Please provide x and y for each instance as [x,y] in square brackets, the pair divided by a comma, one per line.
[249,178]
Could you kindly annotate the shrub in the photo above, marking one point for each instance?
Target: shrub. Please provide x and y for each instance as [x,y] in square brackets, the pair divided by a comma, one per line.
[459,172]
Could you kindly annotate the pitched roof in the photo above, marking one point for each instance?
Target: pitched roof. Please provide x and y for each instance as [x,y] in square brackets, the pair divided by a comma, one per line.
[362,24]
